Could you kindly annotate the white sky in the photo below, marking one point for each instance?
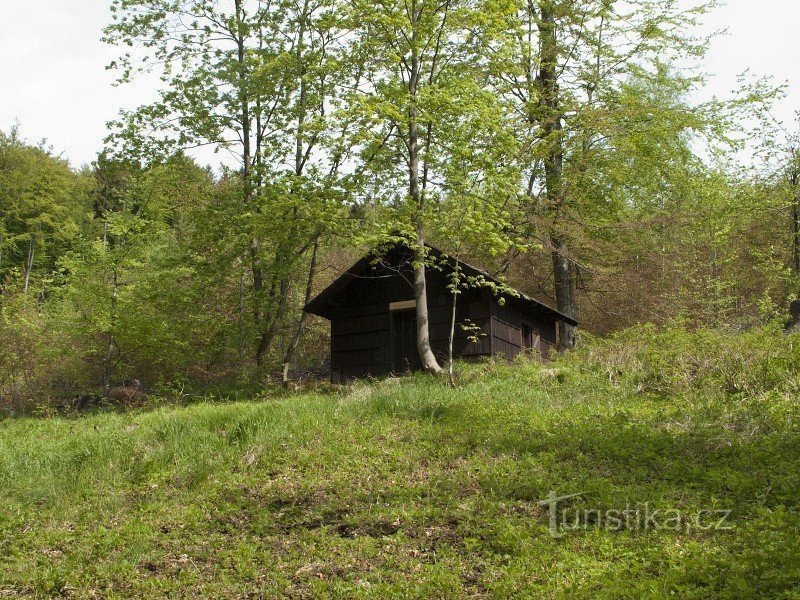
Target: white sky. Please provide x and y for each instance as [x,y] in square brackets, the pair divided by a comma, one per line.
[54,83]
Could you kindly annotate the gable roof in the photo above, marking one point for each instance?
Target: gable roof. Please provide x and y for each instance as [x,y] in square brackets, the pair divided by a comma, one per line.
[321,304]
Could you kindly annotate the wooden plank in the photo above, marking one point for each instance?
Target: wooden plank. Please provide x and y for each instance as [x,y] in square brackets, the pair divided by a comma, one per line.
[365,359]
[357,310]
[363,324]
[441,331]
[472,310]
[507,332]
[402,305]
[541,323]
[462,347]
[505,349]
[360,341]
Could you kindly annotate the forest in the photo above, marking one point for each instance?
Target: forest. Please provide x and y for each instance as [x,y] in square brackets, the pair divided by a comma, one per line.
[559,145]
[173,423]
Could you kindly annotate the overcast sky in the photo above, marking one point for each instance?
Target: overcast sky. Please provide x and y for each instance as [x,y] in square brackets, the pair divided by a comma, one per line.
[54,83]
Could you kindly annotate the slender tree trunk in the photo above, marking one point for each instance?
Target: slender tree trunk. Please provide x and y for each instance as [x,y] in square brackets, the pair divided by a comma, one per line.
[794,305]
[259,316]
[268,335]
[794,180]
[29,262]
[1,258]
[429,362]
[457,277]
[298,171]
[285,258]
[303,99]
[108,363]
[242,342]
[550,121]
[295,341]
[565,292]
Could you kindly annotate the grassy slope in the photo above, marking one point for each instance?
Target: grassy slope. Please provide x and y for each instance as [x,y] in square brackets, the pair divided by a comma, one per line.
[407,489]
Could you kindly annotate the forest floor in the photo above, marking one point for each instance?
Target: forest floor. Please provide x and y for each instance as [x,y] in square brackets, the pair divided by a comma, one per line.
[411,489]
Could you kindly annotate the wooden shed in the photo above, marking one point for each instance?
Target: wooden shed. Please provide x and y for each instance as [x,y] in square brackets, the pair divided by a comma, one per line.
[373,317]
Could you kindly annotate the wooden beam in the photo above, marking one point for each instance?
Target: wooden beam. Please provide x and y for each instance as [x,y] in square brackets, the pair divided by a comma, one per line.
[403,305]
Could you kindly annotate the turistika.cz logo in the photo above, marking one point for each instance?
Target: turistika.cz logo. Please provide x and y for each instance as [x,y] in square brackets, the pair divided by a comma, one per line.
[633,518]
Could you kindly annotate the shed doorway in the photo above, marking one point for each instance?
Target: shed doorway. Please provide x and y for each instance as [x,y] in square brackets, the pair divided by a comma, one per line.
[404,341]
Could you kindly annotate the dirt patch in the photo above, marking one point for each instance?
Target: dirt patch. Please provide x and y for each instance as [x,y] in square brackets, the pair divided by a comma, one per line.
[374,529]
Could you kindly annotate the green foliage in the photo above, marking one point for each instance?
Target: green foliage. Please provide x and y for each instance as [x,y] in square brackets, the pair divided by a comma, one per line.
[42,204]
[423,101]
[147,266]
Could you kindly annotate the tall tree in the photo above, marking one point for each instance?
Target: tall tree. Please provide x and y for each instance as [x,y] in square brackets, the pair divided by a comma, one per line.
[421,94]
[41,208]
[568,63]
[253,79]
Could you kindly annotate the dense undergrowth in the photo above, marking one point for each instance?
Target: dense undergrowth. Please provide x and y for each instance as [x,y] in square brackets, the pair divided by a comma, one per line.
[410,488]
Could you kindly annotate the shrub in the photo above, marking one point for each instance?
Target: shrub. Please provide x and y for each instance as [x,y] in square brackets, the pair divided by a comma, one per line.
[672,360]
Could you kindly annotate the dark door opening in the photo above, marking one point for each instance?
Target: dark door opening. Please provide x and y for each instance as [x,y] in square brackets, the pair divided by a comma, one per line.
[404,341]
[527,337]
[530,340]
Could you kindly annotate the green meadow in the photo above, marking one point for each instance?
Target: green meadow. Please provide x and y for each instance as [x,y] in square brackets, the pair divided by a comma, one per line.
[407,488]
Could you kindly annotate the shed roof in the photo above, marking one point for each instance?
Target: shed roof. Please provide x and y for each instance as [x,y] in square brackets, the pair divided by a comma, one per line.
[322,304]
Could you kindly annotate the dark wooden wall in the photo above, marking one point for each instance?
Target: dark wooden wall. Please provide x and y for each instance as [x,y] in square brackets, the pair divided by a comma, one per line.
[507,325]
[361,324]
[360,341]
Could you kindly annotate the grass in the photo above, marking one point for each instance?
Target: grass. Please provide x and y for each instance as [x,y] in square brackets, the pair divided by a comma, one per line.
[409,489]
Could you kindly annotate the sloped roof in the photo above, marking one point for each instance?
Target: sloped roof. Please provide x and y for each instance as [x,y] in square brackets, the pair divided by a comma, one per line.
[321,304]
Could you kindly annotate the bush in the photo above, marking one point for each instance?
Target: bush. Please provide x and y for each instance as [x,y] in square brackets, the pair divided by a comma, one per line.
[41,364]
[673,360]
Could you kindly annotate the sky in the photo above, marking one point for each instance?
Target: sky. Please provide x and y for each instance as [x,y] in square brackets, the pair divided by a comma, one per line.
[54,82]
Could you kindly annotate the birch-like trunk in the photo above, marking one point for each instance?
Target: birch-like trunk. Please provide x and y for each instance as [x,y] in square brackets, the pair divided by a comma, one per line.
[29,262]
[564,278]
[456,280]
[429,362]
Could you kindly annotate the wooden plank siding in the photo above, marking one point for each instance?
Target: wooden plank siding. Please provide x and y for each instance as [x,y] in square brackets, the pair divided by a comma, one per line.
[365,340]
[372,317]
[507,323]
[507,338]
[359,341]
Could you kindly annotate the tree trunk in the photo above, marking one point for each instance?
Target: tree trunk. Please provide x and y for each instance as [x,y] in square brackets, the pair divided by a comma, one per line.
[242,345]
[108,363]
[298,171]
[287,359]
[244,98]
[1,258]
[453,307]
[29,262]
[429,362]
[270,332]
[794,180]
[794,306]
[551,114]
[564,277]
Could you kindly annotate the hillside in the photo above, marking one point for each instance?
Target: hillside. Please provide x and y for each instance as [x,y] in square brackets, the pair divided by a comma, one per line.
[413,489]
